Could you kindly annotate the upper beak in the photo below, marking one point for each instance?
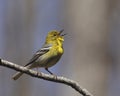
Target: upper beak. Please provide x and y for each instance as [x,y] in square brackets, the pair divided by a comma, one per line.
[61,31]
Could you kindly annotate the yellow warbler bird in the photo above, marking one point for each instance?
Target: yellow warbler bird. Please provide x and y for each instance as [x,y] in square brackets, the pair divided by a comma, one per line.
[48,55]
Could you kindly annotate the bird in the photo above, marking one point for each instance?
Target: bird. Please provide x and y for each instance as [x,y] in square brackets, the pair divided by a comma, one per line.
[48,55]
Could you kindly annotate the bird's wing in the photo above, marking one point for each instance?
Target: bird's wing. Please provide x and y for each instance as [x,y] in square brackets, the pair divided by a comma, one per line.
[45,48]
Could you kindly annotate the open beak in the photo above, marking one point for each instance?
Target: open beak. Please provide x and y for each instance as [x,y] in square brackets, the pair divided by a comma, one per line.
[61,31]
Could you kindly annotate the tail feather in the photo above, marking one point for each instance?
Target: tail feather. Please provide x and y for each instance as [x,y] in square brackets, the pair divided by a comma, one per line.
[17,75]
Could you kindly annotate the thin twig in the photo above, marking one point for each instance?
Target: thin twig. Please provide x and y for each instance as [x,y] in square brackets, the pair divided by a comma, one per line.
[48,77]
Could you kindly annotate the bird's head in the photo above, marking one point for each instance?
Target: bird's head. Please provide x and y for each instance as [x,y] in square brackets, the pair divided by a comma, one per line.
[55,36]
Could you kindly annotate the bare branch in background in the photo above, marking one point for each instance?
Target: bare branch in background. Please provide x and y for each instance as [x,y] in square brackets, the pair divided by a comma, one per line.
[48,77]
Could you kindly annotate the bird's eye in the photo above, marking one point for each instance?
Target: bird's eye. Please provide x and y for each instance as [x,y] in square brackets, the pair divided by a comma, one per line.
[54,34]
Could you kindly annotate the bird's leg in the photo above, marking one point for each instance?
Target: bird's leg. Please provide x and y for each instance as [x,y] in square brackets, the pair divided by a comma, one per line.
[48,71]
[51,73]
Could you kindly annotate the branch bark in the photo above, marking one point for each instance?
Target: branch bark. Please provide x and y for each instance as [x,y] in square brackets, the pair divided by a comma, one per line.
[48,77]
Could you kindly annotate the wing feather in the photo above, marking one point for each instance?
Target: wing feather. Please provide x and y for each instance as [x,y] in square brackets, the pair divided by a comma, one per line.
[45,48]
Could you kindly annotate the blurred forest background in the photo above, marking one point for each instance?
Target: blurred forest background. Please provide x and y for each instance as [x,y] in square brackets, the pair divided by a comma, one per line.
[92,47]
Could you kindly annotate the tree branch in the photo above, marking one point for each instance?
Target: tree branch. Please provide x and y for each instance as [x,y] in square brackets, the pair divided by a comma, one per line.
[48,77]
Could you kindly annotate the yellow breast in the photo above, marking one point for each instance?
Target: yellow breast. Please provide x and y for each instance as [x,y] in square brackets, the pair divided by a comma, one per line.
[60,50]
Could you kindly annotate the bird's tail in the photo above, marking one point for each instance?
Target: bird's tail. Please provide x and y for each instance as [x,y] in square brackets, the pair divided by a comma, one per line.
[17,75]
